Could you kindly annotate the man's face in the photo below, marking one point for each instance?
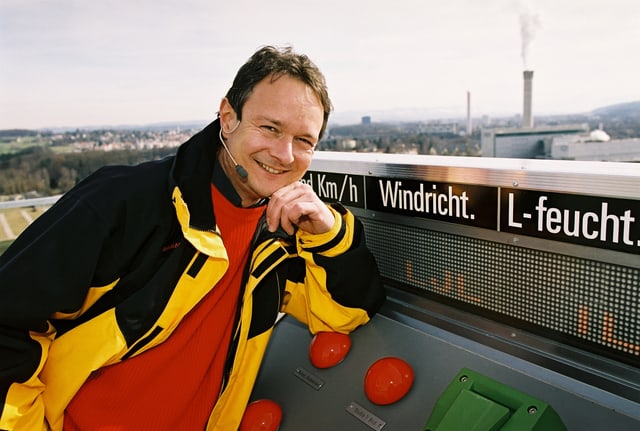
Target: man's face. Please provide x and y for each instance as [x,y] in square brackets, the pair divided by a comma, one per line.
[274,142]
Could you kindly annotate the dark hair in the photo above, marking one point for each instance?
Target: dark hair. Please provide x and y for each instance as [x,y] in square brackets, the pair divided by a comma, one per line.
[275,62]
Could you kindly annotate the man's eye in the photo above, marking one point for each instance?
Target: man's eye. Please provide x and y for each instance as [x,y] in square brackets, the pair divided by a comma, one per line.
[270,129]
[306,142]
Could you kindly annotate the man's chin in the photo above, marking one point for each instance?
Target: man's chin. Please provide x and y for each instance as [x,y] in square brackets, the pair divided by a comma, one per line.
[265,187]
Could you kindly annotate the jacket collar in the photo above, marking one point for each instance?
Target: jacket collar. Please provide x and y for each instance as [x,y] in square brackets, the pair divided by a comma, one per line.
[192,171]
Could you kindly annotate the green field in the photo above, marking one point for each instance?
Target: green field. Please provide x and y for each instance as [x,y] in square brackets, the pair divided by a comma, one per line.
[18,143]
[15,145]
[4,245]
[17,220]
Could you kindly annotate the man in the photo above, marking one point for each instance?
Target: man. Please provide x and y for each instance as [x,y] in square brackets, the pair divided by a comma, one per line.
[144,299]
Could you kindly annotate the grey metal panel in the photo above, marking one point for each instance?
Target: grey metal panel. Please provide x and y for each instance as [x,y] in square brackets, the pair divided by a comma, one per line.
[436,357]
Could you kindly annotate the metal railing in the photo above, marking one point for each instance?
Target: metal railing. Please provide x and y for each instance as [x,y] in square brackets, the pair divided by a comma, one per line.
[35,202]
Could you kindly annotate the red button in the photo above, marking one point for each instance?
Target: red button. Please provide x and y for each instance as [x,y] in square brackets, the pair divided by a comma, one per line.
[388,380]
[261,415]
[328,349]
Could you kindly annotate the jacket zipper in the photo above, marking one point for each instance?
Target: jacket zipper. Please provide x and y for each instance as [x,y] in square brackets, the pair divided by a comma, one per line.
[142,342]
[233,345]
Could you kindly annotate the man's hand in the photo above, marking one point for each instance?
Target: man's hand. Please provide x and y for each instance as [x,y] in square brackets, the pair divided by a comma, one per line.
[298,205]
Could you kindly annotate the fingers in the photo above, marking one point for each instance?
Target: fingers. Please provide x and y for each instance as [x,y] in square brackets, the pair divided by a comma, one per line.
[298,205]
[285,207]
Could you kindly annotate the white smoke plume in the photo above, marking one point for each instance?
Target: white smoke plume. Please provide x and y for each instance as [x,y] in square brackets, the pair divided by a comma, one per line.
[530,23]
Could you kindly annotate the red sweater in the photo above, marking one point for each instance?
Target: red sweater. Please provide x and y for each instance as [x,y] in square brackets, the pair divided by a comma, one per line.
[175,385]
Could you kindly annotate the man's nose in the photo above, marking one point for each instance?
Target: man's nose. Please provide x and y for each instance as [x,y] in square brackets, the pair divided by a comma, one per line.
[283,150]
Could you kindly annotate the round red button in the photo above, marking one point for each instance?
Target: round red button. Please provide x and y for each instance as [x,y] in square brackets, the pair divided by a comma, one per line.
[261,415]
[328,349]
[388,380]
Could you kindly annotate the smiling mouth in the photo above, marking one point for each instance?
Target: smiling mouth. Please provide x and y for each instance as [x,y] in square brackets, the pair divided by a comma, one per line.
[270,169]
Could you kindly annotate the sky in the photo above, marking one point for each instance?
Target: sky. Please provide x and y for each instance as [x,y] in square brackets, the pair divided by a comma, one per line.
[81,63]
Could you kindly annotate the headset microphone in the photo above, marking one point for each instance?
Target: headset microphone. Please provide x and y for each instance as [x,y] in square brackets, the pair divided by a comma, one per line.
[240,170]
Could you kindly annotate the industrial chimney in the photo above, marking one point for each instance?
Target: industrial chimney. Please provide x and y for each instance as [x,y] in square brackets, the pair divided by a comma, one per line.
[469,129]
[527,115]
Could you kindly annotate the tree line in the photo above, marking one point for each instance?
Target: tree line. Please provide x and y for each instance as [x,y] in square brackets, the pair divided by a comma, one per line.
[40,170]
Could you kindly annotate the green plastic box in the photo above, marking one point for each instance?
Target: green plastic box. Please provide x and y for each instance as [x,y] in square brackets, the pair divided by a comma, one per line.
[474,402]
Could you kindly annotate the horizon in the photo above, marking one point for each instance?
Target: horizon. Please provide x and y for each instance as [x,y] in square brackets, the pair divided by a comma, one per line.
[344,119]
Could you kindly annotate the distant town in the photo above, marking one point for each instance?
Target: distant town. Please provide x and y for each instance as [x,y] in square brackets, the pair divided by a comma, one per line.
[460,136]
[80,140]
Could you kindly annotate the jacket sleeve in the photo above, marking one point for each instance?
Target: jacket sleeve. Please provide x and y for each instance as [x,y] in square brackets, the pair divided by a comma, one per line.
[48,269]
[341,287]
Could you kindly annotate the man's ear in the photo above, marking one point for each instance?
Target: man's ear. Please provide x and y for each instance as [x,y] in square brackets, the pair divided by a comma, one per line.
[228,117]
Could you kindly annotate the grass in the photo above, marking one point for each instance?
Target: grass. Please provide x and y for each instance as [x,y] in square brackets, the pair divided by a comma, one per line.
[13,145]
[17,218]
[16,145]
[5,245]
[18,222]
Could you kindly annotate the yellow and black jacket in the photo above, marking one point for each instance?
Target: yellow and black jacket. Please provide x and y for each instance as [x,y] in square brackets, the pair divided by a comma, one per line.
[112,268]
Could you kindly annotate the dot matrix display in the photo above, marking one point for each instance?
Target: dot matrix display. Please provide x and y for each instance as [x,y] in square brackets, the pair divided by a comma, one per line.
[584,299]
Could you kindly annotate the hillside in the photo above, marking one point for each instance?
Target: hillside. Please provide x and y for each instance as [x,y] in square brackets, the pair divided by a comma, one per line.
[629,109]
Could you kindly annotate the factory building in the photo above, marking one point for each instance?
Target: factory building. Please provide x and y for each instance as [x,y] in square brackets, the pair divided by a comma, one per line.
[595,146]
[526,143]
[565,142]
